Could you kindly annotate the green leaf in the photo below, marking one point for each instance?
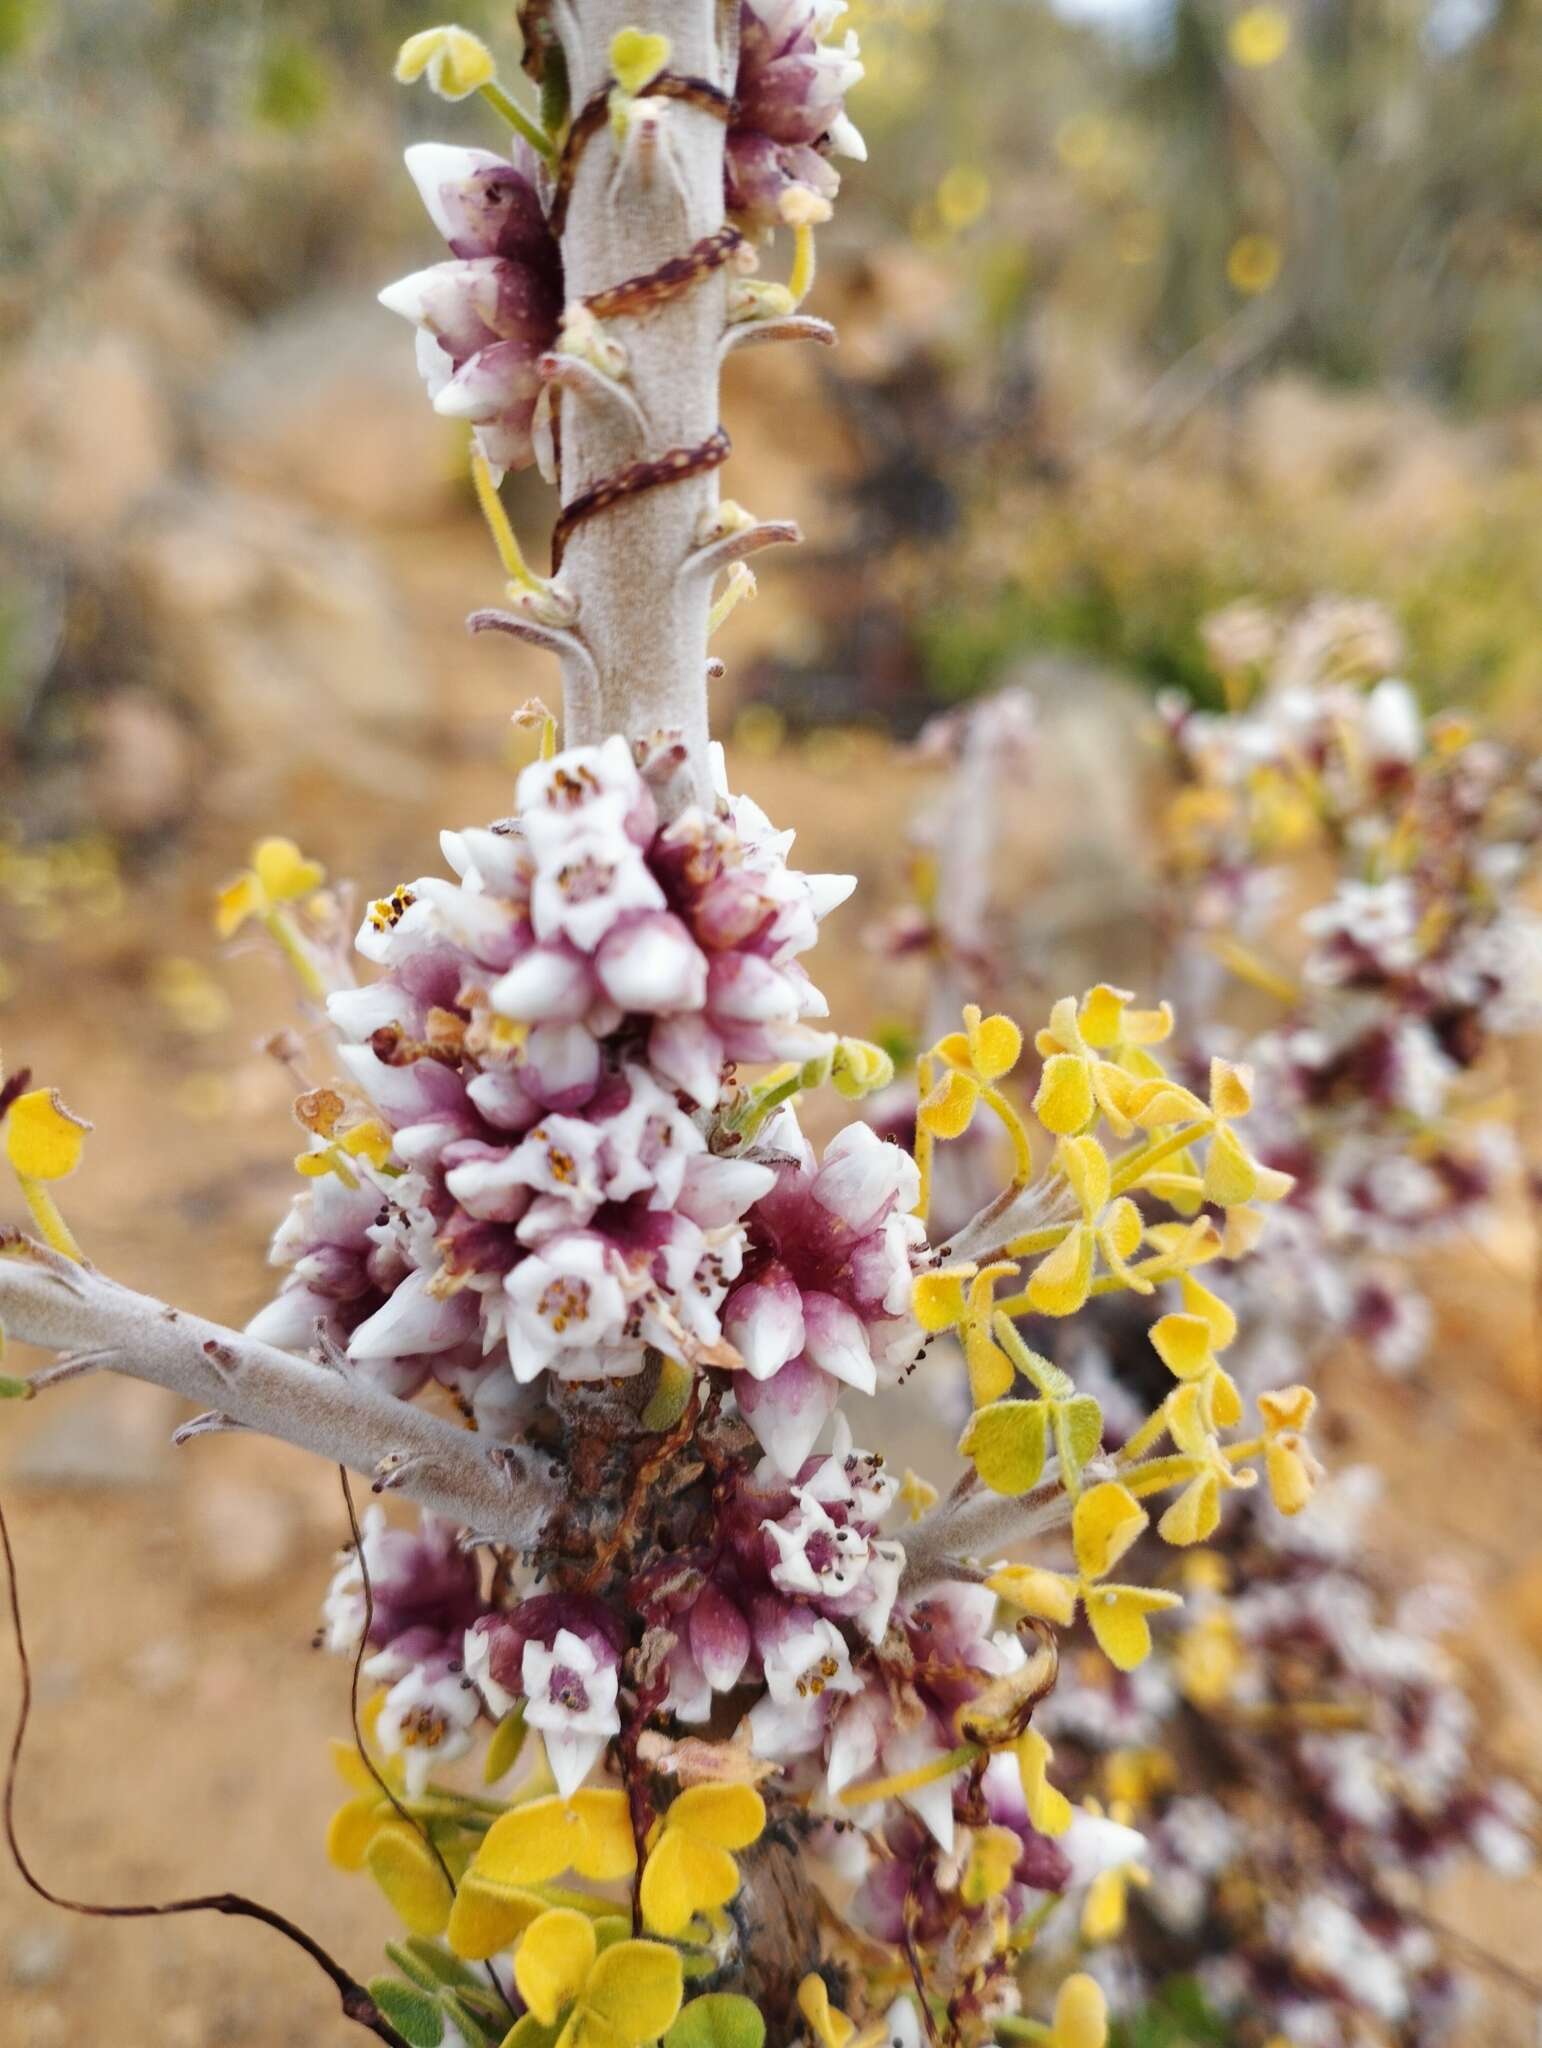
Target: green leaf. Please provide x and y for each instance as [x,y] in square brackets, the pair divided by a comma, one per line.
[480,2015]
[670,1397]
[1006,1444]
[415,2016]
[14,1390]
[503,1751]
[720,2020]
[1082,1424]
[426,1963]
[554,89]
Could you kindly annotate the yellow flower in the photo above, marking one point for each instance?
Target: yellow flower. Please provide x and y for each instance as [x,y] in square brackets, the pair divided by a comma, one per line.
[917,1495]
[993,1854]
[618,1997]
[1186,1345]
[1196,1513]
[43,1140]
[1289,1464]
[1259,36]
[1106,1906]
[530,1845]
[1081,2014]
[279,873]
[455,62]
[1078,1082]
[963,1297]
[1048,1808]
[1232,1176]
[829,2026]
[689,1868]
[976,1058]
[1061,1282]
[43,1143]
[1104,1523]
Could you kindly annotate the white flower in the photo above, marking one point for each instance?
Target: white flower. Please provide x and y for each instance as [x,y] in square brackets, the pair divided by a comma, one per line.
[568,1310]
[815,1554]
[571,1698]
[428,1717]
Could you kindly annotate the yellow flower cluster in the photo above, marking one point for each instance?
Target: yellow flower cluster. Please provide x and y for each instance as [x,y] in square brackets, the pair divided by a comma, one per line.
[1101,1082]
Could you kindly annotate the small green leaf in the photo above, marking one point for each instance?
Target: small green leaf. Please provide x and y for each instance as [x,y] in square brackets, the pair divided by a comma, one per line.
[503,1751]
[415,2016]
[720,2020]
[426,1963]
[554,89]
[479,2015]
[1083,1426]
[668,1401]
[14,1390]
[1006,1444]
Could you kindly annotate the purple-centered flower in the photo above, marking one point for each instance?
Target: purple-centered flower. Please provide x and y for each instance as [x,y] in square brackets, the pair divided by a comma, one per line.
[486,317]
[789,113]
[825,1295]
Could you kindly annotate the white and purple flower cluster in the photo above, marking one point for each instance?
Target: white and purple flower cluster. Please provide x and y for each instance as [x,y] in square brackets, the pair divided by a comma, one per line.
[547,1043]
[486,317]
[789,113]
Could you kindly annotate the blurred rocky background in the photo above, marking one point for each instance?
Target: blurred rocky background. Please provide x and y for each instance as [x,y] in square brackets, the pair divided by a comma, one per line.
[1144,305]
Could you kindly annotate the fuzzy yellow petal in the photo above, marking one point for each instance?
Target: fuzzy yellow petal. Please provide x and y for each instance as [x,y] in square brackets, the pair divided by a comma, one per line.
[637,1987]
[553,1961]
[1193,1517]
[1102,1015]
[1060,1283]
[636,58]
[1231,1088]
[1050,1595]
[43,1139]
[1085,1165]
[487,1919]
[1117,1615]
[949,1108]
[683,1877]
[235,903]
[283,870]
[1287,1407]
[457,63]
[995,1046]
[1231,1178]
[1290,1474]
[590,1833]
[1048,1808]
[732,1816]
[1063,1102]
[1183,1344]
[1199,1301]
[1104,1523]
[991,1372]
[937,1299]
[1103,1910]
[409,1874]
[353,1827]
[1081,2014]
[829,2026]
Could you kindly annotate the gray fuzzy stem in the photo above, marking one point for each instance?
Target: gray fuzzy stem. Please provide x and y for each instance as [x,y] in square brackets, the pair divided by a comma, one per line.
[492,1489]
[642,620]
